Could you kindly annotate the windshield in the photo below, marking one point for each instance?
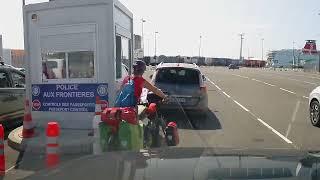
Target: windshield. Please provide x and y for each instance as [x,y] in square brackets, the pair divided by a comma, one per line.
[52,64]
[120,89]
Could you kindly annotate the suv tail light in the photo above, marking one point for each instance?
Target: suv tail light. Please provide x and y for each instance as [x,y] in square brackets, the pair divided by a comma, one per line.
[203,89]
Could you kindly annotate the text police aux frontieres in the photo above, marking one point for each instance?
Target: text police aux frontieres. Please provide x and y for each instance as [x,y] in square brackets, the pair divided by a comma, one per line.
[67,91]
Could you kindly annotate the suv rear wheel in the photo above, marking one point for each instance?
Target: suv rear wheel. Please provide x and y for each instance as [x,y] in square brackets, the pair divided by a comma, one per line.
[314,113]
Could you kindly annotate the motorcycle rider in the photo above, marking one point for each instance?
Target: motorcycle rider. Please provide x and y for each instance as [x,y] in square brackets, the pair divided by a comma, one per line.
[139,67]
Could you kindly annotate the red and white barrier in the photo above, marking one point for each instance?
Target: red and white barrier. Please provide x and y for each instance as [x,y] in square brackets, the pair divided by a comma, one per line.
[2,157]
[52,149]
[28,125]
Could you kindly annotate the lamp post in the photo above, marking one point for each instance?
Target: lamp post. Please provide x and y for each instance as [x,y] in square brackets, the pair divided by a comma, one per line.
[241,41]
[200,47]
[155,43]
[142,36]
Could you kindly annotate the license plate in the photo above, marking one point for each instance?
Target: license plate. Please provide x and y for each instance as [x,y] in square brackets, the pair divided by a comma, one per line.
[179,100]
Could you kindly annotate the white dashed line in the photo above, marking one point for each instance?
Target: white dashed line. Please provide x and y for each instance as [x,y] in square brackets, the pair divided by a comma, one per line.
[226,94]
[288,130]
[260,120]
[256,80]
[244,108]
[218,87]
[210,81]
[287,91]
[241,76]
[309,82]
[305,97]
[268,84]
[275,131]
[293,118]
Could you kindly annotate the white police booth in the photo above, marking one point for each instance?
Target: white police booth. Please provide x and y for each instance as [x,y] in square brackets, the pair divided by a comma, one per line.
[75,49]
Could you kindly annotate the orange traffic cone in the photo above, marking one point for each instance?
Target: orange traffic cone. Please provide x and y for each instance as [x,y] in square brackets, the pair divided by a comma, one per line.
[2,157]
[52,155]
[28,126]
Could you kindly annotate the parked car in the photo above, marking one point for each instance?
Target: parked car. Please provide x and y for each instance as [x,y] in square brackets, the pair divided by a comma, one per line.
[185,83]
[233,66]
[314,107]
[12,93]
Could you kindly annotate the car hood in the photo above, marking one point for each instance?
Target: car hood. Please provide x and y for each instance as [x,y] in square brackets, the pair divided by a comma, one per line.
[187,163]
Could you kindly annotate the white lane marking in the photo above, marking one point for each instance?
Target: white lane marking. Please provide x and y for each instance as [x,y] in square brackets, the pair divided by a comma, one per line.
[305,97]
[282,77]
[244,108]
[275,131]
[290,74]
[10,168]
[257,80]
[288,130]
[261,121]
[210,81]
[288,91]
[218,87]
[309,82]
[214,84]
[226,94]
[240,76]
[293,118]
[268,84]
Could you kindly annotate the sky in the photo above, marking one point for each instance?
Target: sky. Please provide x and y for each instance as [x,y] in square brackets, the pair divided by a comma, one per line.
[180,24]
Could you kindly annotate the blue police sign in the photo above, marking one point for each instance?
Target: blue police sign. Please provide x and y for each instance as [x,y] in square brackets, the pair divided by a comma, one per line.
[68,97]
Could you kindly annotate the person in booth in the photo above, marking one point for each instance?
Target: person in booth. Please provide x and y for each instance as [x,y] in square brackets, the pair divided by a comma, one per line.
[132,86]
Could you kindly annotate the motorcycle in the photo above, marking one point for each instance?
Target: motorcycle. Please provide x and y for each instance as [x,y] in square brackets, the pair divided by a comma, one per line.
[122,129]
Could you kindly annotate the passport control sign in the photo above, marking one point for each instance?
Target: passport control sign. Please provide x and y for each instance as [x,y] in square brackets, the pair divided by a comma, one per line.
[68,97]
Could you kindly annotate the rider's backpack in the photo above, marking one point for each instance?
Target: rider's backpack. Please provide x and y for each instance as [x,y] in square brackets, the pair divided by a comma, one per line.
[126,96]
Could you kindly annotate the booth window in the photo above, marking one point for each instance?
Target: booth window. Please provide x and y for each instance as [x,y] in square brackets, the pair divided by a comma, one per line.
[80,64]
[122,54]
[54,65]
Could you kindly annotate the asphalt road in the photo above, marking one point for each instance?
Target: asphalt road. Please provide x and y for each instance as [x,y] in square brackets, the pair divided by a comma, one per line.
[259,108]
[252,108]
[248,109]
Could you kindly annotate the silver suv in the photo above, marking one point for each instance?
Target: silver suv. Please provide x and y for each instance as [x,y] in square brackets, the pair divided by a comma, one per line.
[185,83]
[12,93]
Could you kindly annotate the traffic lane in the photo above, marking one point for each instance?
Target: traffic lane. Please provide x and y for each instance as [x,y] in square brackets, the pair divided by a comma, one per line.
[297,129]
[273,106]
[295,76]
[295,87]
[226,125]
[240,129]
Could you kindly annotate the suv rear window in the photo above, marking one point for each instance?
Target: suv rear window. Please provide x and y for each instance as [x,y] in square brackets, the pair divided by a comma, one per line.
[177,76]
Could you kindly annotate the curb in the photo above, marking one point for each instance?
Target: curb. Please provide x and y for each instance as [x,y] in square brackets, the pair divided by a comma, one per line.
[71,142]
[14,141]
